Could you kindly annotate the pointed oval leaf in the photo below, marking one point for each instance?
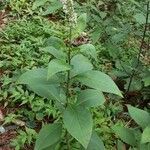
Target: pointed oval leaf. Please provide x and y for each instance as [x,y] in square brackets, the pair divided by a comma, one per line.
[120,145]
[90,98]
[38,3]
[37,81]
[78,122]
[48,136]
[81,22]
[95,143]
[37,74]
[55,42]
[144,146]
[89,50]
[141,117]
[80,65]
[53,51]
[126,135]
[81,25]
[55,5]
[55,66]
[52,147]
[100,81]
[140,18]
[146,135]
[146,81]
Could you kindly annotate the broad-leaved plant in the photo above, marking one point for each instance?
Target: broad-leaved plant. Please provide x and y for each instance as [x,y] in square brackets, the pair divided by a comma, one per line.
[71,81]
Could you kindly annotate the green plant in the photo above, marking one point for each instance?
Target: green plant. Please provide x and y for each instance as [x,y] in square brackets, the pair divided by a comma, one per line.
[19,7]
[21,41]
[11,118]
[138,137]
[134,73]
[24,8]
[103,120]
[117,32]
[73,84]
[24,137]
[47,6]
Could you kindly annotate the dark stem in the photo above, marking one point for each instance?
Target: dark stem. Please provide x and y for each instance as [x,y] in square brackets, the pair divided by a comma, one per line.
[140,50]
[69,61]
[122,66]
[148,45]
[68,82]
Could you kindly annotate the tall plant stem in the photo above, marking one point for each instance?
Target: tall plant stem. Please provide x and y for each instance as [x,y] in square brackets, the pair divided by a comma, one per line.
[140,50]
[68,81]
[69,61]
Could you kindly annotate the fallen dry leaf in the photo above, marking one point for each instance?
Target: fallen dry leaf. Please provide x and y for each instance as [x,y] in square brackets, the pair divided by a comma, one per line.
[19,122]
[1,116]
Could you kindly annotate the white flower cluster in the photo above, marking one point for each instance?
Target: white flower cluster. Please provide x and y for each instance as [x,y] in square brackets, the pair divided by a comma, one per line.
[69,11]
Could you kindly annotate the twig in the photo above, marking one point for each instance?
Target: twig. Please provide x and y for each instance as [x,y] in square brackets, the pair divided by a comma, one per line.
[126,125]
[140,50]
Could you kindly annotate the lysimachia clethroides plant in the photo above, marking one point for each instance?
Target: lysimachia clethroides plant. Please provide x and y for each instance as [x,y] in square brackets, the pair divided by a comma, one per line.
[72,83]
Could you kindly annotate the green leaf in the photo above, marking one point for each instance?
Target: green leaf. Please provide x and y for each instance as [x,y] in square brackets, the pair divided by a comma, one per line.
[89,50]
[103,14]
[140,18]
[146,81]
[55,66]
[53,7]
[135,86]
[36,79]
[53,147]
[125,134]
[120,145]
[99,81]
[141,117]
[78,122]
[48,136]
[146,135]
[38,3]
[96,34]
[90,98]
[95,143]
[136,3]
[55,42]
[56,53]
[80,65]
[82,22]
[144,146]
[81,25]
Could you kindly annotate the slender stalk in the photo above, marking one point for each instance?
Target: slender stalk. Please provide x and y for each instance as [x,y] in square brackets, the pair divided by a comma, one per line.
[71,18]
[68,81]
[140,50]
[69,61]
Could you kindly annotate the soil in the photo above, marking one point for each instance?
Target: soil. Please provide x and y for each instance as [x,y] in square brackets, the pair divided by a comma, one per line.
[3,19]
[6,137]
[5,140]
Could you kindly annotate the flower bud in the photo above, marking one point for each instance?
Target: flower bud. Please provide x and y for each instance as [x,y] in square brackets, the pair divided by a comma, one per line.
[68,8]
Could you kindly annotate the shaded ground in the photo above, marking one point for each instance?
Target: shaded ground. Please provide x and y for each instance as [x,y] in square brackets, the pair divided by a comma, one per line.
[5,139]
[3,18]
